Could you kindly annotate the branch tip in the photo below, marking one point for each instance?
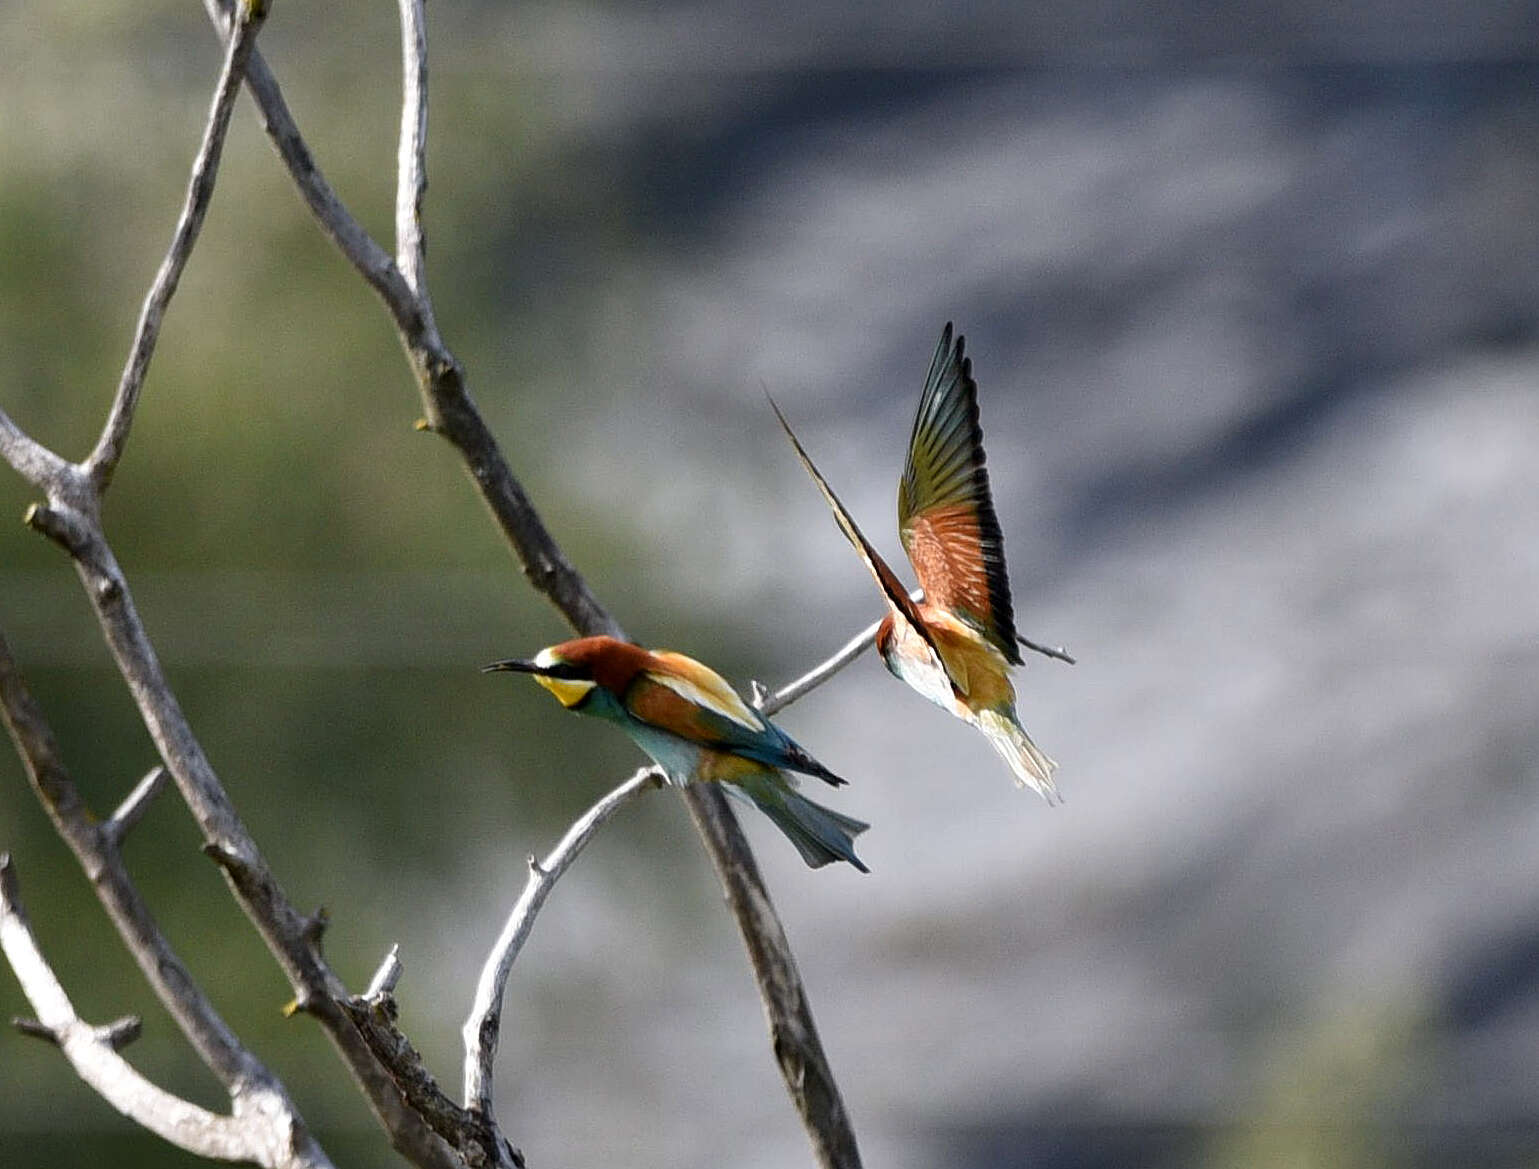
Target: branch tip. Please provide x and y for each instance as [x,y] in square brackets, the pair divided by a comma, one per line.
[1057,652]
[135,804]
[121,1032]
[35,1030]
[387,976]
[314,928]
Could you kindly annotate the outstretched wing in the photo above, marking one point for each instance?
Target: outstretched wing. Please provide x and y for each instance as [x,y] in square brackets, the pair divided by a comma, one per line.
[945,513]
[892,588]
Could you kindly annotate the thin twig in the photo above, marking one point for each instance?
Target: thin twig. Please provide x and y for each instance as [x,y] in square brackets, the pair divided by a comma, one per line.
[822,672]
[31,460]
[386,977]
[103,460]
[371,261]
[136,804]
[411,158]
[1047,651]
[92,1052]
[484,1025]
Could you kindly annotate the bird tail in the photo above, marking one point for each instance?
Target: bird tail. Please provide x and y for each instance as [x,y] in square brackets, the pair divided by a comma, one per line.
[820,834]
[1031,765]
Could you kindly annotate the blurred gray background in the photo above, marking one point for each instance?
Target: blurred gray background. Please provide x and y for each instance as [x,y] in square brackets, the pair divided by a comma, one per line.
[1251,296]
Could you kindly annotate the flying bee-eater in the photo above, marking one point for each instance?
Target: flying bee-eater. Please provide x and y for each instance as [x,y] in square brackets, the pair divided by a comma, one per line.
[698,730]
[957,645]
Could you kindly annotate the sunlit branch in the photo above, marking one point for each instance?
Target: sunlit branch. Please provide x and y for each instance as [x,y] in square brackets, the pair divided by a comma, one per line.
[484,1025]
[411,157]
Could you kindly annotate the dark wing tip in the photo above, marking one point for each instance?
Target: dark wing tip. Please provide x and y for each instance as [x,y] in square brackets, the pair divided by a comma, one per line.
[807,765]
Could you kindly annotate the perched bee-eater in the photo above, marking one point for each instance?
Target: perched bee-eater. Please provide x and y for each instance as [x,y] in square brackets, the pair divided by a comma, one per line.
[696,728]
[957,645]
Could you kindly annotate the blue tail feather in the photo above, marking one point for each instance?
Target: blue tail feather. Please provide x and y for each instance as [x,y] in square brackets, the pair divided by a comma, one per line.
[820,834]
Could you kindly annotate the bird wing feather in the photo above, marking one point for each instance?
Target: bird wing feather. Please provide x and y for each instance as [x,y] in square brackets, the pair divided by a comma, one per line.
[892,588]
[700,684]
[946,514]
[691,700]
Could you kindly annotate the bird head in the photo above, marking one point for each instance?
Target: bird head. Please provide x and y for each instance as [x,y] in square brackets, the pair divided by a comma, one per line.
[567,675]
[574,669]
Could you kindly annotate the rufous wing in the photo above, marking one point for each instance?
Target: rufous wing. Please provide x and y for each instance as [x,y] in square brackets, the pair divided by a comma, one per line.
[946,515]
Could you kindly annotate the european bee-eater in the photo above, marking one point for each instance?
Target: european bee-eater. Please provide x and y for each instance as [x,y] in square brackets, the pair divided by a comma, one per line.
[697,729]
[957,645]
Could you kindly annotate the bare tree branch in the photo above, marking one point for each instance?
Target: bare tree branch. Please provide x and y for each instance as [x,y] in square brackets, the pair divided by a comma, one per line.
[253,1089]
[451,412]
[71,518]
[257,1132]
[769,703]
[1048,651]
[103,460]
[411,159]
[33,461]
[484,1026]
[793,1034]
[386,977]
[421,1122]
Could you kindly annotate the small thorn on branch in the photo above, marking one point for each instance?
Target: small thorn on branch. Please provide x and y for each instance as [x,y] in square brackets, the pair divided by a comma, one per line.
[758,692]
[35,1030]
[121,1032]
[534,866]
[314,928]
[226,856]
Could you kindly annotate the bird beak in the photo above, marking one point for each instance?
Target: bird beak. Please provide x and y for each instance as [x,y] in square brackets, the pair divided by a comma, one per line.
[514,665]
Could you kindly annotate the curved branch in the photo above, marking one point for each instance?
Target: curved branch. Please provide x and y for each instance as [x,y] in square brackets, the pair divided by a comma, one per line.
[257,1134]
[96,850]
[484,1026]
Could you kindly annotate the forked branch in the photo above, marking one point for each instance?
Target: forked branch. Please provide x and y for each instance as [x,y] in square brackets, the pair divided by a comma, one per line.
[451,412]
[256,1135]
